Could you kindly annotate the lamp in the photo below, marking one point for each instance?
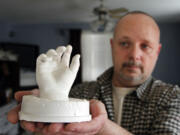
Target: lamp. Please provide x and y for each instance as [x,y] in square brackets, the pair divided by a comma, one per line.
[102,25]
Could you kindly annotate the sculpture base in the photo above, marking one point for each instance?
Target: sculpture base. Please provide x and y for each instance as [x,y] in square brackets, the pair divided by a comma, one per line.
[43,110]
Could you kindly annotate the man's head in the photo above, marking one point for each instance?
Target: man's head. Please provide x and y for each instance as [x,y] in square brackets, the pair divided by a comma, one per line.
[135,49]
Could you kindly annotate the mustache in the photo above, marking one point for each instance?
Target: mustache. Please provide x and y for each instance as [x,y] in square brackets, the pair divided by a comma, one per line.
[132,63]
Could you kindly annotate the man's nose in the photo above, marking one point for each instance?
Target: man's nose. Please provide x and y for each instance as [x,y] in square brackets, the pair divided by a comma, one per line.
[135,52]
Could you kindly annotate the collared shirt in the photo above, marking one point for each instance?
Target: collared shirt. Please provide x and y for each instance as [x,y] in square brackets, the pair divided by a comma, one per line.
[152,109]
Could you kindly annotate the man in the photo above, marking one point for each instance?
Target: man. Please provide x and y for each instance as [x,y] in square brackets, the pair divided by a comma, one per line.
[134,101]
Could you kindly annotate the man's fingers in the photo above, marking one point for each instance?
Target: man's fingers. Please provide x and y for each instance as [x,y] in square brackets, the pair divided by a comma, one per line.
[40,125]
[97,108]
[55,127]
[93,126]
[47,129]
[99,115]
[30,126]
[13,114]
[18,95]
[75,63]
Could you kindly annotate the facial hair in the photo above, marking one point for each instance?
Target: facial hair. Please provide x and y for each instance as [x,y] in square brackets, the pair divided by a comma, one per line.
[131,79]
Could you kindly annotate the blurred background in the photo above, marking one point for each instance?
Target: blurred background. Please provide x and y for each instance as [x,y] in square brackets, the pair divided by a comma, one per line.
[31,27]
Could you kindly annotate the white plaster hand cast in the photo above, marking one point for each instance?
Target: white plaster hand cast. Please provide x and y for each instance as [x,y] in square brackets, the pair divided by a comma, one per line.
[54,73]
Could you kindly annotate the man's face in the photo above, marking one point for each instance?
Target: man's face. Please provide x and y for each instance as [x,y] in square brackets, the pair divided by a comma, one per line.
[135,49]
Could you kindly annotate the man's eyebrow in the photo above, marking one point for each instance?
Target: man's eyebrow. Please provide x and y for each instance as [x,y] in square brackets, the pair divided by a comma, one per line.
[143,40]
[124,37]
[146,41]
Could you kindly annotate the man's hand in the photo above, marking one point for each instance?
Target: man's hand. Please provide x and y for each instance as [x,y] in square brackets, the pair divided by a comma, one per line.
[99,124]
[54,74]
[99,117]
[13,115]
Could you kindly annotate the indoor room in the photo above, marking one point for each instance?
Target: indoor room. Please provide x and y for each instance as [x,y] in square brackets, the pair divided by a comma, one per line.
[31,27]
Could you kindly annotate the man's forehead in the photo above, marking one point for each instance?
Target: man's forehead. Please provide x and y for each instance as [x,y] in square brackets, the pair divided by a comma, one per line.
[136,18]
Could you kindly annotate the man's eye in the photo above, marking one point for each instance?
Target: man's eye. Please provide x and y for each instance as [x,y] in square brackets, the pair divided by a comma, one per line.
[124,44]
[144,46]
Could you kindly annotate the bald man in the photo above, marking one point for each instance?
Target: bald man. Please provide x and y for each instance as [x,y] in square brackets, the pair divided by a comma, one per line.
[128,99]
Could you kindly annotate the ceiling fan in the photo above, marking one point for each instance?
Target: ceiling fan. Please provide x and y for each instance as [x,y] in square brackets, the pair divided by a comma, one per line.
[104,21]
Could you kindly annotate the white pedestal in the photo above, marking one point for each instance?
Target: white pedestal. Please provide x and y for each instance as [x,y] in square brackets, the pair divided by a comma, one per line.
[44,110]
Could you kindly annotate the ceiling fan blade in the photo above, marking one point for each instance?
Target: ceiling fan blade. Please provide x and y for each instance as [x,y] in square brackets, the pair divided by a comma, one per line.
[118,10]
[115,16]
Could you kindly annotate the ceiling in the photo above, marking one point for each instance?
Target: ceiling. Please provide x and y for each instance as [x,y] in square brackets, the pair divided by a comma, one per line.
[80,11]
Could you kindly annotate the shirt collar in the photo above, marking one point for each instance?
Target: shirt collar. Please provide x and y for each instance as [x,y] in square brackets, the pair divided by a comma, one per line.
[142,91]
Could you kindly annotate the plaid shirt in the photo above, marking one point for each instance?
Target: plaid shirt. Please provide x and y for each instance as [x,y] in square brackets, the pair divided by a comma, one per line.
[153,109]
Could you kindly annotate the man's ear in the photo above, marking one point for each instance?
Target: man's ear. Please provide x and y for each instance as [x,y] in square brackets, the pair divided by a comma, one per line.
[111,42]
[159,48]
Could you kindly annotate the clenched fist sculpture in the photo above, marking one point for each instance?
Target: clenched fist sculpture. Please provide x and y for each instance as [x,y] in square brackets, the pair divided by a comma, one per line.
[55,74]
